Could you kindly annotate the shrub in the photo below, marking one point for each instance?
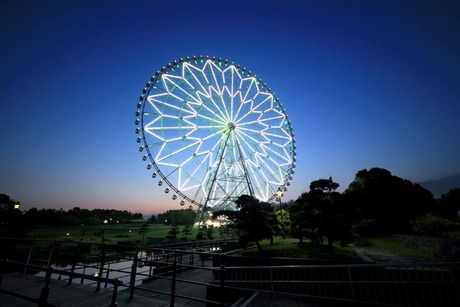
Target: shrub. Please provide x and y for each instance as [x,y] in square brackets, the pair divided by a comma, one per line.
[431,226]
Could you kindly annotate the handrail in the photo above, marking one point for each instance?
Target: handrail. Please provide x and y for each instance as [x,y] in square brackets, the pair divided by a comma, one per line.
[42,301]
[364,265]
[226,278]
[65,273]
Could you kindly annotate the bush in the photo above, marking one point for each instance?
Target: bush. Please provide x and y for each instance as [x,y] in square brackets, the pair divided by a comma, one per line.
[363,243]
[431,226]
[368,228]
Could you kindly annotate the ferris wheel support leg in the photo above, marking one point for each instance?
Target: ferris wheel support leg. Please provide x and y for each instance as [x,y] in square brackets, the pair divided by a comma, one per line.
[201,213]
[246,174]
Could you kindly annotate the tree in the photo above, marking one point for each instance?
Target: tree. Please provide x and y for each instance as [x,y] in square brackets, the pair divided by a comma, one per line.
[325,185]
[222,230]
[431,226]
[253,220]
[187,231]
[210,232]
[11,217]
[178,217]
[449,204]
[390,201]
[201,235]
[320,214]
[152,220]
[143,230]
[284,221]
[172,234]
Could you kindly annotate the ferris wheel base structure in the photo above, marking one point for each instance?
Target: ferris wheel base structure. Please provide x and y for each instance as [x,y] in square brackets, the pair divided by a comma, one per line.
[211,131]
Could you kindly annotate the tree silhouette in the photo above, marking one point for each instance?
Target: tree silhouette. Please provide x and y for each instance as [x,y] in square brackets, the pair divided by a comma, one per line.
[187,231]
[450,204]
[320,214]
[172,234]
[389,201]
[254,220]
[325,185]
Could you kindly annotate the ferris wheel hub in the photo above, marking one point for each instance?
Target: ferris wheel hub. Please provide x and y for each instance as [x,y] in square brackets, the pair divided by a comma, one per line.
[231,126]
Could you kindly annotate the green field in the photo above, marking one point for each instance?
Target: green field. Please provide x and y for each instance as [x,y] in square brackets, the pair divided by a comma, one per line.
[109,233]
[388,249]
[383,249]
[291,247]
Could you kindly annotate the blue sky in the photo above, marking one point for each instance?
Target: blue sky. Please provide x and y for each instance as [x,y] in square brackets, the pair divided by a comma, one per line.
[365,83]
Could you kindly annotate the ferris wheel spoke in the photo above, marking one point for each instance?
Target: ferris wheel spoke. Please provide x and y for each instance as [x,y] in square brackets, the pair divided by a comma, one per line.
[276,153]
[255,109]
[177,151]
[154,135]
[225,106]
[211,66]
[169,105]
[195,170]
[259,133]
[208,118]
[235,118]
[214,103]
[221,116]
[260,158]
[270,170]
[258,142]
[168,81]
[248,89]
[232,96]
[277,136]
[175,169]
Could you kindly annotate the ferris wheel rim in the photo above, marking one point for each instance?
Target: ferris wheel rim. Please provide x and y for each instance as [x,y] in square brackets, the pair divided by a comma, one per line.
[146,146]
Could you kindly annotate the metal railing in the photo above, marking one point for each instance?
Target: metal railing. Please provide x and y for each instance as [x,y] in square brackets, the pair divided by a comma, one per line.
[44,294]
[420,284]
[143,269]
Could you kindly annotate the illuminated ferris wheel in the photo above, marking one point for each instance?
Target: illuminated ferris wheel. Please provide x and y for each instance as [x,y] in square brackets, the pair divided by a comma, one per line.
[210,131]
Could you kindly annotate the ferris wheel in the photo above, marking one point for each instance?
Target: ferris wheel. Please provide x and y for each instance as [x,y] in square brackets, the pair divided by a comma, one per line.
[210,131]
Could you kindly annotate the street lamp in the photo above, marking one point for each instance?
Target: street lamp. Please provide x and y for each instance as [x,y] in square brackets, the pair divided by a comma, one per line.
[279,194]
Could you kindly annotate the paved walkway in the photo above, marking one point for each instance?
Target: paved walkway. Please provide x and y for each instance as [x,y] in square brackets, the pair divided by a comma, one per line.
[182,288]
[61,294]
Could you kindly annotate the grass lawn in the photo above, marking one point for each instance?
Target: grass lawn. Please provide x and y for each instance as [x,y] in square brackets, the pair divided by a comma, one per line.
[388,249]
[385,249]
[291,248]
[108,233]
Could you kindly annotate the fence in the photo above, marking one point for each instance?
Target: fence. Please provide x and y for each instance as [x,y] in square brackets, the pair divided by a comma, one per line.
[43,299]
[136,269]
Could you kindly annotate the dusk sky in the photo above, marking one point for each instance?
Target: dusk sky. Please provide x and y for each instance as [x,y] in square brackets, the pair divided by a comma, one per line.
[365,84]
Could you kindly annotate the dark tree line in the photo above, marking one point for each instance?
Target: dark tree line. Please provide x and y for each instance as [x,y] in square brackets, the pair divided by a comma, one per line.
[386,203]
[9,215]
[375,203]
[174,217]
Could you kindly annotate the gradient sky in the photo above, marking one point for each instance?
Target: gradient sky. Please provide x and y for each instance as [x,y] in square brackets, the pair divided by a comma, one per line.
[365,83]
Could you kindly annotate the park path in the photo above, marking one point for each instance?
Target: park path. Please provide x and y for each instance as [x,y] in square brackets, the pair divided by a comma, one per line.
[182,288]
[383,256]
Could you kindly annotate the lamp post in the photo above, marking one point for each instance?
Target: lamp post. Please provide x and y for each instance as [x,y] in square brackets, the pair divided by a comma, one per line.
[279,194]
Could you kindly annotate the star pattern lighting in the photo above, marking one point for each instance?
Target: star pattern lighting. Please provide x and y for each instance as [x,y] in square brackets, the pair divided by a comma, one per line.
[213,131]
